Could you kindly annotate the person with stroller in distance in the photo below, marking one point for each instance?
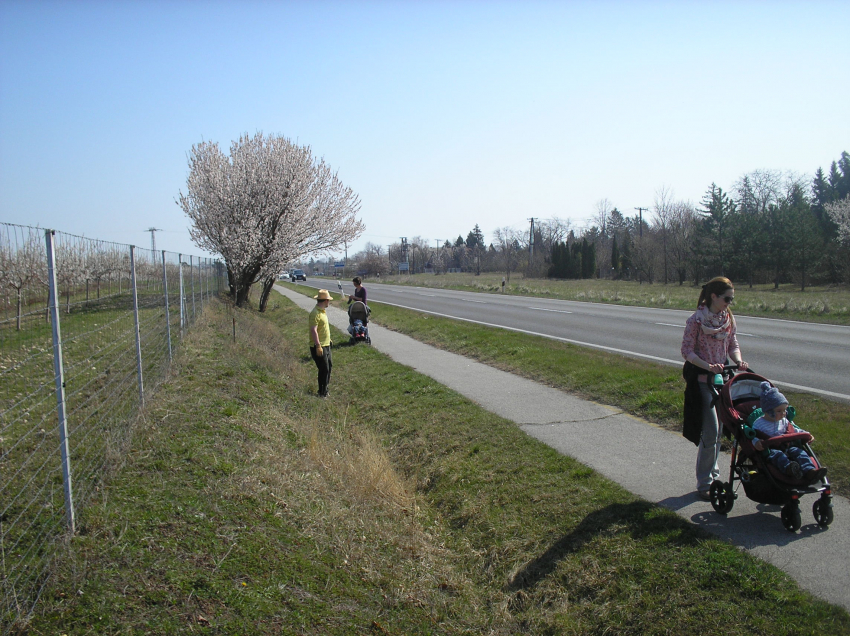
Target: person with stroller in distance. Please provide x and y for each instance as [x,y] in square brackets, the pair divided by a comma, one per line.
[709,339]
[794,462]
[359,291]
[320,340]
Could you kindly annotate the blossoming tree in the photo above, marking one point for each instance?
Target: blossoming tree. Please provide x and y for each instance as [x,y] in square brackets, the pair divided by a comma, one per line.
[267,204]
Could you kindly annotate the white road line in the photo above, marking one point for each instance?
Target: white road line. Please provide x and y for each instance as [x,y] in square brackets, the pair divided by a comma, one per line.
[469,300]
[557,311]
[809,389]
[633,354]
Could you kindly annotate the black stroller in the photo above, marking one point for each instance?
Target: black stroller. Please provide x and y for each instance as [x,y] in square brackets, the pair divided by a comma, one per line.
[738,407]
[358,322]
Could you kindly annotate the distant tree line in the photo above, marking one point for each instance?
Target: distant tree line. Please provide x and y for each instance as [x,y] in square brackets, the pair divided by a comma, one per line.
[770,227]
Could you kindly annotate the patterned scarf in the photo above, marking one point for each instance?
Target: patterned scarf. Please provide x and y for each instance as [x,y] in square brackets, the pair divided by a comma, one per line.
[718,326]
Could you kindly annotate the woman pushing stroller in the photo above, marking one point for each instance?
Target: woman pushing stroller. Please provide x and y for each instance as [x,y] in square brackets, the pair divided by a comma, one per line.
[710,339]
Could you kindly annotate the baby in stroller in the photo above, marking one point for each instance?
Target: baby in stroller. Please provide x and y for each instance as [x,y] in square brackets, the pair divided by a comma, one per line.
[761,455]
[358,322]
[794,461]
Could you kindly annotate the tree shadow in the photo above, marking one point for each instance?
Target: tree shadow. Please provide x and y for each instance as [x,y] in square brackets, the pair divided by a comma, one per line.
[641,519]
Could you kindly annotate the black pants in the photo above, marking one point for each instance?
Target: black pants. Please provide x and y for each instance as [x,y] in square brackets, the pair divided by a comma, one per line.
[323,364]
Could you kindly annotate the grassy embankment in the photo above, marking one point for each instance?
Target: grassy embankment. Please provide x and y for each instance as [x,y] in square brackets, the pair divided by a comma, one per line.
[827,304]
[247,505]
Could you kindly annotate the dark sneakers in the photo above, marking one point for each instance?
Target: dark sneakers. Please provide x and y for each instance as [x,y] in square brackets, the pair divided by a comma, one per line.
[793,470]
[816,475]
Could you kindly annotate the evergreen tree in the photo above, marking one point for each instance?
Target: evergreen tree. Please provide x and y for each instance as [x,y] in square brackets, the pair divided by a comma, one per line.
[717,207]
[588,258]
[475,242]
[843,185]
[746,233]
[775,221]
[835,182]
[805,247]
[626,264]
[615,257]
[574,270]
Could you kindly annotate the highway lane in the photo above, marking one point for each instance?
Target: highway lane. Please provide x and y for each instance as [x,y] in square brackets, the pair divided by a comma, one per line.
[804,356]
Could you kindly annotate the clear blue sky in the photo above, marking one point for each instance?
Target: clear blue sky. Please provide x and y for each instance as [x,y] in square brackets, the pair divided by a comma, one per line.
[440,115]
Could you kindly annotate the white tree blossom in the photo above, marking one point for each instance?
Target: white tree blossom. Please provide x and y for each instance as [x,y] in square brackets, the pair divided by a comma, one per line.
[22,263]
[267,204]
[839,212]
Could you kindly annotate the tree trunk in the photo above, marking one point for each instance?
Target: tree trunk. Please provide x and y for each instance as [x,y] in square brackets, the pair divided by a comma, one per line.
[264,297]
[242,294]
[18,317]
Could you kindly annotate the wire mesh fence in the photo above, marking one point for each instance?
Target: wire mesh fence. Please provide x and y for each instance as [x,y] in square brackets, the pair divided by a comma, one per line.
[87,327]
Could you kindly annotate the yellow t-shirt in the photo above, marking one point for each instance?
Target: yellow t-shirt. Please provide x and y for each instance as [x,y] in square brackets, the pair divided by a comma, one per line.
[319,319]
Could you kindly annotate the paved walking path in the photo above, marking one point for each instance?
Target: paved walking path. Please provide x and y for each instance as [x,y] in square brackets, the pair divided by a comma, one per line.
[651,462]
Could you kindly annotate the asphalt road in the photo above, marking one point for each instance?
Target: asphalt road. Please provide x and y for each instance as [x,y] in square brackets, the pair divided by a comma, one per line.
[803,356]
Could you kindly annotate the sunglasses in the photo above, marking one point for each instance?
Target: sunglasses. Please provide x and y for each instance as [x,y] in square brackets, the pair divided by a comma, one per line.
[729,299]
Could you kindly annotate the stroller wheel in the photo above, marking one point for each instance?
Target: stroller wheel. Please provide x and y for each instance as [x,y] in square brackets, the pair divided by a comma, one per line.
[791,517]
[722,497]
[822,510]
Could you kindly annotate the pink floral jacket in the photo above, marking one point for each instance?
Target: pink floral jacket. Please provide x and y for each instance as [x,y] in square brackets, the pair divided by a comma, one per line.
[709,348]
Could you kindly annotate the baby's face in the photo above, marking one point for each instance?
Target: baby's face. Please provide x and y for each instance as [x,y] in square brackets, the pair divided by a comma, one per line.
[778,412]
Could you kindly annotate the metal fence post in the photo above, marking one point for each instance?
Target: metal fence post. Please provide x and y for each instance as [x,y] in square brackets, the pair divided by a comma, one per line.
[182,304]
[192,280]
[59,374]
[167,315]
[138,330]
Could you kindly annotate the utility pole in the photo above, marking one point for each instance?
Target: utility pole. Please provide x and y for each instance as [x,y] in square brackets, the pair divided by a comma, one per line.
[153,231]
[404,255]
[640,221]
[641,211]
[531,246]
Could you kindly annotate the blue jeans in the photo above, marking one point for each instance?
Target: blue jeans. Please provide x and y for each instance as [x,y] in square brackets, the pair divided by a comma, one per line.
[781,460]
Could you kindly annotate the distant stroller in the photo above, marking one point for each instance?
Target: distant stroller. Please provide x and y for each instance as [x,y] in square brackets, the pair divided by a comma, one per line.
[738,406]
[358,322]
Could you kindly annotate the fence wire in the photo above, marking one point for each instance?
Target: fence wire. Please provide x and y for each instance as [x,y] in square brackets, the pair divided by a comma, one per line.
[105,374]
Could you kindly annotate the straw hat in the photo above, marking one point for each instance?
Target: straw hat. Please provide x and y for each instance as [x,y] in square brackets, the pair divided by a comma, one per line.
[323,295]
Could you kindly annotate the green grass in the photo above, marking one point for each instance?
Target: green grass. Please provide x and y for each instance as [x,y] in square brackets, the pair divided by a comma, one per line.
[102,396]
[827,304]
[248,505]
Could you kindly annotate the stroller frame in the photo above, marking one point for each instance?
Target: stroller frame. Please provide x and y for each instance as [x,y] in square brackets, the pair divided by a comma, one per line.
[736,400]
[358,310]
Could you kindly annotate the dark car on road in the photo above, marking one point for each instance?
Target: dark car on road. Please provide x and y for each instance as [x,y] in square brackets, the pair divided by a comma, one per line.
[298,274]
